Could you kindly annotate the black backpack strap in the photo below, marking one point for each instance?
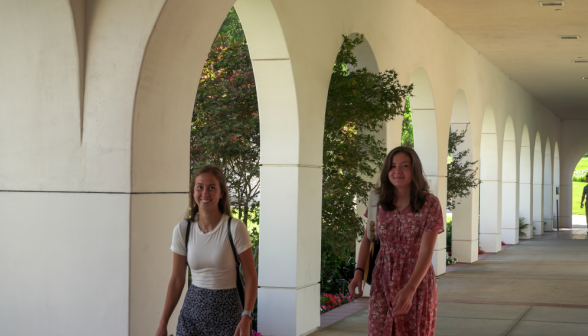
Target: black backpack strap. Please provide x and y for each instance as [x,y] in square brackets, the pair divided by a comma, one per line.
[187,239]
[233,244]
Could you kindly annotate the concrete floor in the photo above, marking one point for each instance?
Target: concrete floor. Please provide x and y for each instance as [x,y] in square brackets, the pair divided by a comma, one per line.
[538,287]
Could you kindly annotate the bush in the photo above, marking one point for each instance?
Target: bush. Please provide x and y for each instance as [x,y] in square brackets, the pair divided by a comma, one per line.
[449,259]
[579,175]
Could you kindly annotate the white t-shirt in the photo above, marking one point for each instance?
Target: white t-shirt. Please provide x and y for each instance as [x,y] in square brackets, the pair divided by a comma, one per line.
[210,255]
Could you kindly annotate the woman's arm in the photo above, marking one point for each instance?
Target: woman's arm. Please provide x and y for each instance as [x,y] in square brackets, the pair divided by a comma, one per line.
[403,299]
[248,265]
[174,291]
[356,283]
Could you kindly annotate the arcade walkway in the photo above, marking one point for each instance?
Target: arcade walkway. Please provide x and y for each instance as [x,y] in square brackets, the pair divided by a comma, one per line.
[539,287]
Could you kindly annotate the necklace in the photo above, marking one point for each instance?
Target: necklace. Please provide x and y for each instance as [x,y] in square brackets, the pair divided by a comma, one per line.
[203,231]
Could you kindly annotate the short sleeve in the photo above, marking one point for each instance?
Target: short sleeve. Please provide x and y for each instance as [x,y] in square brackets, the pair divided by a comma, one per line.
[366,213]
[178,244]
[434,221]
[585,191]
[240,236]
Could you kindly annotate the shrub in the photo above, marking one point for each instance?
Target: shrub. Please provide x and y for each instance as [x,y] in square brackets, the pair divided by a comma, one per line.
[449,259]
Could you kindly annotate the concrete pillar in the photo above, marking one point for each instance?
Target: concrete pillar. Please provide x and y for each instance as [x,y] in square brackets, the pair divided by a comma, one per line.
[565,206]
[548,208]
[464,244]
[510,223]
[525,209]
[438,186]
[537,208]
[425,144]
[490,216]
[290,260]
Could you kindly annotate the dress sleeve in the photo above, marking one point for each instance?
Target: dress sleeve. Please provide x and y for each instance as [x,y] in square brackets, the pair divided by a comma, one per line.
[240,236]
[178,244]
[434,221]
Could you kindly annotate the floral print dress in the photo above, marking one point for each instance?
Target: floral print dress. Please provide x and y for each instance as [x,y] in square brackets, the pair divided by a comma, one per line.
[400,236]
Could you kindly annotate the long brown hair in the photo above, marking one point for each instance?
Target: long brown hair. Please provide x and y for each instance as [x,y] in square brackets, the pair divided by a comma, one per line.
[224,206]
[419,187]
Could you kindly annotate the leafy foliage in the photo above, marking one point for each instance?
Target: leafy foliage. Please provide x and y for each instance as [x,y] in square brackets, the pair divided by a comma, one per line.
[225,122]
[407,130]
[359,103]
[461,174]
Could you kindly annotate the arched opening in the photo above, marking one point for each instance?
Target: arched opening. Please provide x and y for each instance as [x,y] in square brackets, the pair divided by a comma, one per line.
[556,186]
[291,159]
[547,190]
[510,223]
[537,187]
[490,189]
[366,59]
[525,190]
[424,121]
[464,226]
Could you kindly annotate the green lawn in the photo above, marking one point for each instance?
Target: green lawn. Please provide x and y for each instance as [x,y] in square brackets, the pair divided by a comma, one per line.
[583,164]
[577,197]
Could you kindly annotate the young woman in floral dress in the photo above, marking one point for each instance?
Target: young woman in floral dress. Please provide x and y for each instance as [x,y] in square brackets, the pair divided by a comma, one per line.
[403,296]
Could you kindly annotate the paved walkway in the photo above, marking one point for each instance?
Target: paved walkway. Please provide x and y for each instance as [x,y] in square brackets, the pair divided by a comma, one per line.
[538,287]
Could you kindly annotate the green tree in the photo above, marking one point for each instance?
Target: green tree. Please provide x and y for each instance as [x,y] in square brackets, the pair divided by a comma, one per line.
[358,105]
[461,174]
[407,131]
[225,122]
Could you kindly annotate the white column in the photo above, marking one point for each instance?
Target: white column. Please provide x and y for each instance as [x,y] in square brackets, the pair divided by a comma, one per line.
[464,236]
[438,186]
[537,209]
[425,144]
[525,209]
[490,216]
[510,222]
[290,249]
[565,206]
[548,207]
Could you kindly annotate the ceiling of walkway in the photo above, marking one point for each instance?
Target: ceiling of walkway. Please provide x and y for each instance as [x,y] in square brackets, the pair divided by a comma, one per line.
[522,39]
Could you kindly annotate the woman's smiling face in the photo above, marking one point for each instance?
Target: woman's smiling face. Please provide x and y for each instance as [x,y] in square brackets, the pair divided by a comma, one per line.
[207,192]
[400,174]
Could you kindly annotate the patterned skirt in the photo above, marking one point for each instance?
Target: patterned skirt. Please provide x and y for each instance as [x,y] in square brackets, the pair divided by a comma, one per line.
[210,312]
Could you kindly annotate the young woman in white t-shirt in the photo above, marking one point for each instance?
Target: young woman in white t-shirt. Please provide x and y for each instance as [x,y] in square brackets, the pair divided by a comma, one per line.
[212,305]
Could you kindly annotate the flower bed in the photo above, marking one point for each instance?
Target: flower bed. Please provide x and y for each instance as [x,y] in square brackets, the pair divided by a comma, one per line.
[332,301]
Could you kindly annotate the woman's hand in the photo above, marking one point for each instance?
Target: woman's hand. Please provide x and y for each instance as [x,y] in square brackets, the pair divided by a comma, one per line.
[356,284]
[243,327]
[403,301]
[161,331]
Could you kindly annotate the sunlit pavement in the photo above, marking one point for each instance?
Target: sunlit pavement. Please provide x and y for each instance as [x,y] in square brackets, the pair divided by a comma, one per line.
[538,287]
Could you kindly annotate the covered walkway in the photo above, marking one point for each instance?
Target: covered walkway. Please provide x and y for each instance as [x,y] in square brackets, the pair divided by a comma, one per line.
[538,287]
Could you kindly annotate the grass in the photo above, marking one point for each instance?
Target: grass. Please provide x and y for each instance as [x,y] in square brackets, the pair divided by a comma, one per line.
[583,164]
[577,197]
[577,188]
